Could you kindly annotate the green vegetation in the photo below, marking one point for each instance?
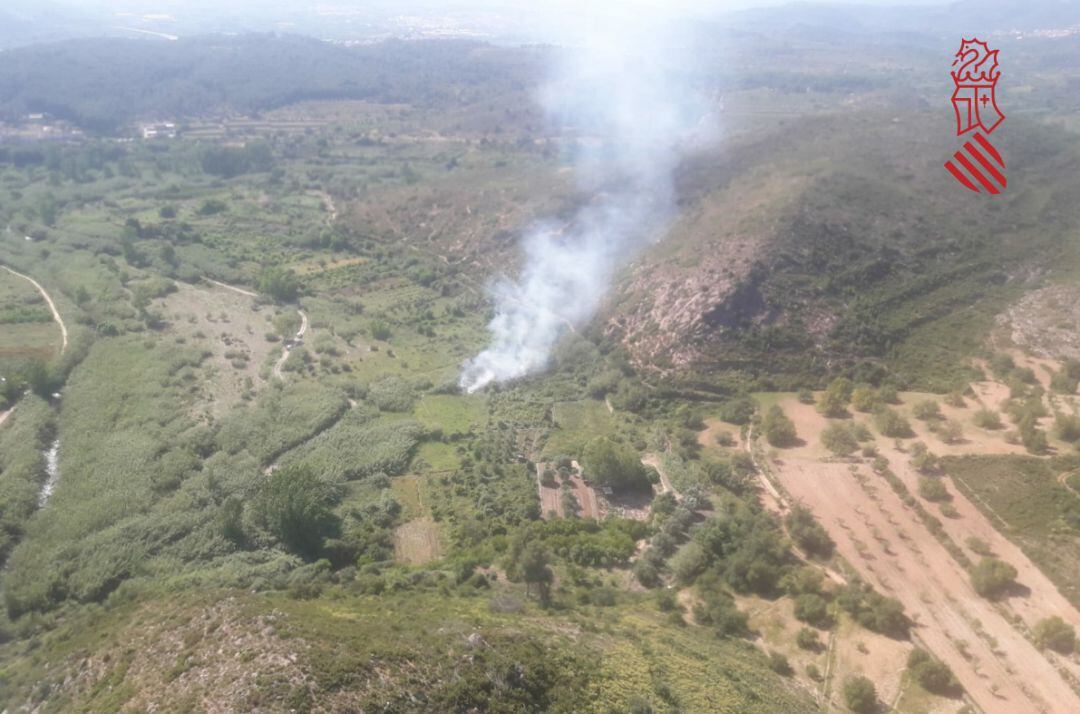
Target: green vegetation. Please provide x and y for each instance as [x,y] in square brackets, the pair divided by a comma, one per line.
[203,491]
[932,488]
[932,674]
[835,398]
[874,611]
[808,639]
[614,465]
[808,533]
[926,410]
[839,438]
[992,578]
[778,428]
[294,505]
[860,695]
[865,398]
[1056,634]
[1024,492]
[892,424]
[987,419]
[23,439]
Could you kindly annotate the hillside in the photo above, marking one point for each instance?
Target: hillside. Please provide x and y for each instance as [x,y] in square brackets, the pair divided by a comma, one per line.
[840,247]
[102,84]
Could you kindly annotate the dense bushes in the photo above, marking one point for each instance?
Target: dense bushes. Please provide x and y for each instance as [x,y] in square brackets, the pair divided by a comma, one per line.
[357,447]
[1056,634]
[738,410]
[744,547]
[583,541]
[839,439]
[22,467]
[860,695]
[718,610]
[778,428]
[293,504]
[813,609]
[279,283]
[281,419]
[890,423]
[834,400]
[933,674]
[873,610]
[992,578]
[808,533]
[614,465]
[392,394]
[987,419]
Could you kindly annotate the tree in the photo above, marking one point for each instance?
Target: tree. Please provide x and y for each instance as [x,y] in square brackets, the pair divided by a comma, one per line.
[992,578]
[860,695]
[839,439]
[738,410]
[890,423]
[933,674]
[923,460]
[1056,634]
[807,532]
[778,427]
[950,431]
[279,283]
[812,608]
[615,466]
[1067,427]
[987,419]
[834,400]
[293,504]
[808,639]
[926,410]
[689,561]
[865,399]
[779,664]
[533,564]
[933,489]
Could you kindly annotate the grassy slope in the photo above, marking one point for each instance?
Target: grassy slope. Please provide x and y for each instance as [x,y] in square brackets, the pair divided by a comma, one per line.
[394,652]
[857,249]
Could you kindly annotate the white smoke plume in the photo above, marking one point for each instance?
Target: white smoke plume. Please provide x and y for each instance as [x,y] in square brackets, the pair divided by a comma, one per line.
[627,96]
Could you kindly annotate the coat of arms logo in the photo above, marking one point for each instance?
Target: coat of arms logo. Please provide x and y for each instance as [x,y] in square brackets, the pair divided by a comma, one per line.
[978,166]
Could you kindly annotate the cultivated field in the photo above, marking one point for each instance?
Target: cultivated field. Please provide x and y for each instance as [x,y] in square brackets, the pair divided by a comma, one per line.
[886,541]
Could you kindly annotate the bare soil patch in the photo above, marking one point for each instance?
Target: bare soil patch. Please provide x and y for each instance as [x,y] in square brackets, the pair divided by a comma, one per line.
[417,542]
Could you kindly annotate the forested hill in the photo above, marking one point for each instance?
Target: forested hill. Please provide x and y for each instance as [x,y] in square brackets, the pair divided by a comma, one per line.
[102,84]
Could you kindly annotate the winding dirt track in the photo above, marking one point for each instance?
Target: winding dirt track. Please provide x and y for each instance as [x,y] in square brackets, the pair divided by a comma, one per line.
[278,368]
[884,539]
[52,306]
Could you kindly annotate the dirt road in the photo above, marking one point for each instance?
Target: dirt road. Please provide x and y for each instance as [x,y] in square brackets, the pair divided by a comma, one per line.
[278,368]
[884,539]
[231,287]
[52,306]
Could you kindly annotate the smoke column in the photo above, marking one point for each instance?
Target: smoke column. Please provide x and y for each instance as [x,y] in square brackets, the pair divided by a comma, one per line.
[627,95]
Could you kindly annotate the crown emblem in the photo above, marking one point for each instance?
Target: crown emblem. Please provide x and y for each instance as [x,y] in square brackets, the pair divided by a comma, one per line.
[976,64]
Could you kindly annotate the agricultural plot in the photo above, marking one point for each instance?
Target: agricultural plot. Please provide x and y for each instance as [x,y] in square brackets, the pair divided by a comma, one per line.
[883,537]
[27,329]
